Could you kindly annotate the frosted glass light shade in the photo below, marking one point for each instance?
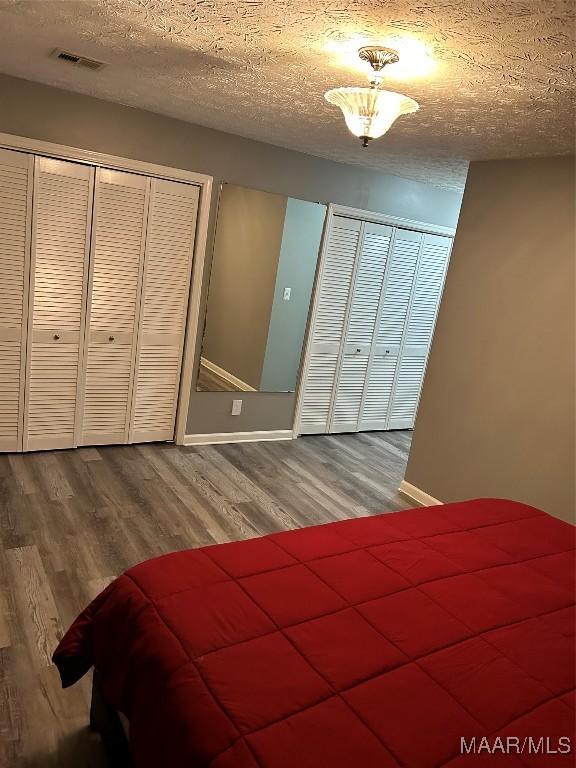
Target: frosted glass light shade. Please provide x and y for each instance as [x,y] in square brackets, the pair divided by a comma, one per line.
[369,112]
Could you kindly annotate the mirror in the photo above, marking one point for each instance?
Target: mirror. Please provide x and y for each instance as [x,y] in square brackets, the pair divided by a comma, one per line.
[263,265]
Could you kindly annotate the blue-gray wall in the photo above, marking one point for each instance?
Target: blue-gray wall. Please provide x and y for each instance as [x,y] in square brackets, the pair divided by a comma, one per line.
[301,238]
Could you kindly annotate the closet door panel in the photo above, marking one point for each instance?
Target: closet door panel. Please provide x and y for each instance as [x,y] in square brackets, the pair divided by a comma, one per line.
[166,283]
[395,301]
[60,237]
[378,391]
[398,288]
[317,398]
[16,179]
[407,388]
[118,237]
[429,282]
[348,396]
[368,284]
[360,327]
[428,290]
[335,281]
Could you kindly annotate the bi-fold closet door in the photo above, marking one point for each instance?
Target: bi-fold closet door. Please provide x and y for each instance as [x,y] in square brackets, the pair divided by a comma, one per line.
[163,309]
[421,313]
[334,283]
[383,391]
[16,180]
[61,220]
[140,267]
[358,334]
[378,293]
[95,269]
[114,286]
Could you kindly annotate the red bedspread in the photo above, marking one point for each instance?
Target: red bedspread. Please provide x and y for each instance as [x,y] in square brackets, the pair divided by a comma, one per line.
[373,642]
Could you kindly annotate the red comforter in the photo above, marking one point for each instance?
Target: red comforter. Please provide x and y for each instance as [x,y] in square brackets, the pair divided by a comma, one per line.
[373,642]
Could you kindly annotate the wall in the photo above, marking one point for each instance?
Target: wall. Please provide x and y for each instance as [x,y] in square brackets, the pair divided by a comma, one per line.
[496,416]
[244,266]
[50,114]
[296,270]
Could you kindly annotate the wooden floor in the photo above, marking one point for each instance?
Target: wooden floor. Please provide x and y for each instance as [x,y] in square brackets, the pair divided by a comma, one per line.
[72,520]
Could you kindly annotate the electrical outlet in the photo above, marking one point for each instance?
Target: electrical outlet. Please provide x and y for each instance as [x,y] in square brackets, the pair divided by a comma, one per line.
[236,407]
[287,292]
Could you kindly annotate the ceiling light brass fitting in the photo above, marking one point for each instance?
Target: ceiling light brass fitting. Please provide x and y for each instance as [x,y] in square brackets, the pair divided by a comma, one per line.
[378,56]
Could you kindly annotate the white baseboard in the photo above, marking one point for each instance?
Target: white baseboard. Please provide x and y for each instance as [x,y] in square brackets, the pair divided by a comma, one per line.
[238,437]
[415,494]
[227,376]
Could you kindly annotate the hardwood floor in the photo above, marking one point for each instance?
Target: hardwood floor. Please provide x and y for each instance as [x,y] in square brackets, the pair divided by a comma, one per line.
[70,521]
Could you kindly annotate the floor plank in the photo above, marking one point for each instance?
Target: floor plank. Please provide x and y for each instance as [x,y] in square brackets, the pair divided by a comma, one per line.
[70,521]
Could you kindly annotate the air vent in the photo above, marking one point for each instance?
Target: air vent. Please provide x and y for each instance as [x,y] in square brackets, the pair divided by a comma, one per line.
[76,60]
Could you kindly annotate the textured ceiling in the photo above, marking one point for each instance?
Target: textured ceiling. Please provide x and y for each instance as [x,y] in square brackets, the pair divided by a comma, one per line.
[503,83]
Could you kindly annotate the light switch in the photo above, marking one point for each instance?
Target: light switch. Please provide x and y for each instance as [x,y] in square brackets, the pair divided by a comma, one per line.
[236,407]
[287,292]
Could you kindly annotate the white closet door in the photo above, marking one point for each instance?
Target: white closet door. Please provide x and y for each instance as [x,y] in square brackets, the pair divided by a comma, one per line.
[166,282]
[393,311]
[360,327]
[335,282]
[379,382]
[62,211]
[420,323]
[16,178]
[117,251]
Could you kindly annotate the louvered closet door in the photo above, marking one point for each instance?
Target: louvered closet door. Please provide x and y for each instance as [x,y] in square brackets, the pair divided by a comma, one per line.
[421,319]
[117,255]
[166,282]
[335,281]
[62,211]
[360,327]
[16,178]
[393,312]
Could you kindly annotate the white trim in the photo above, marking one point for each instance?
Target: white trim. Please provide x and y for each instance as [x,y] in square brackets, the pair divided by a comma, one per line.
[215,438]
[87,156]
[422,498]
[193,322]
[26,318]
[393,221]
[227,376]
[312,319]
[46,148]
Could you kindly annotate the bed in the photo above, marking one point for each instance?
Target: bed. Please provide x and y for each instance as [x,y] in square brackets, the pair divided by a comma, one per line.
[418,638]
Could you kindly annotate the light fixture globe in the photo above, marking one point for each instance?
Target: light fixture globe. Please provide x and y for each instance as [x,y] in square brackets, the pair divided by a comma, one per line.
[369,112]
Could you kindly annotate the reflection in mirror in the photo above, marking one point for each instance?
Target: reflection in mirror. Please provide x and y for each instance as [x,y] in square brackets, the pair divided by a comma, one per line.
[263,265]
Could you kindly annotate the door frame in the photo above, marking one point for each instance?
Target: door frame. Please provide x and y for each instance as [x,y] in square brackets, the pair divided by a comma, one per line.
[204,182]
[352,213]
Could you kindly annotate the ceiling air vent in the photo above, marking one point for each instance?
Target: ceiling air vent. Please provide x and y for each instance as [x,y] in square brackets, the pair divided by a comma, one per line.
[76,59]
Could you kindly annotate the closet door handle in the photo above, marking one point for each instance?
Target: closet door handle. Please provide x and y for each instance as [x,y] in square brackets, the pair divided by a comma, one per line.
[56,336]
[110,338]
[358,349]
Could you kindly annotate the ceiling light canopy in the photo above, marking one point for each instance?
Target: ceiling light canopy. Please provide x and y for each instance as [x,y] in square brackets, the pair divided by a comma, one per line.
[369,112]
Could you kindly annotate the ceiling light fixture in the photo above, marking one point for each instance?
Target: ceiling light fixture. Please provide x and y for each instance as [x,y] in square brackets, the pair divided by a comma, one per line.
[369,112]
